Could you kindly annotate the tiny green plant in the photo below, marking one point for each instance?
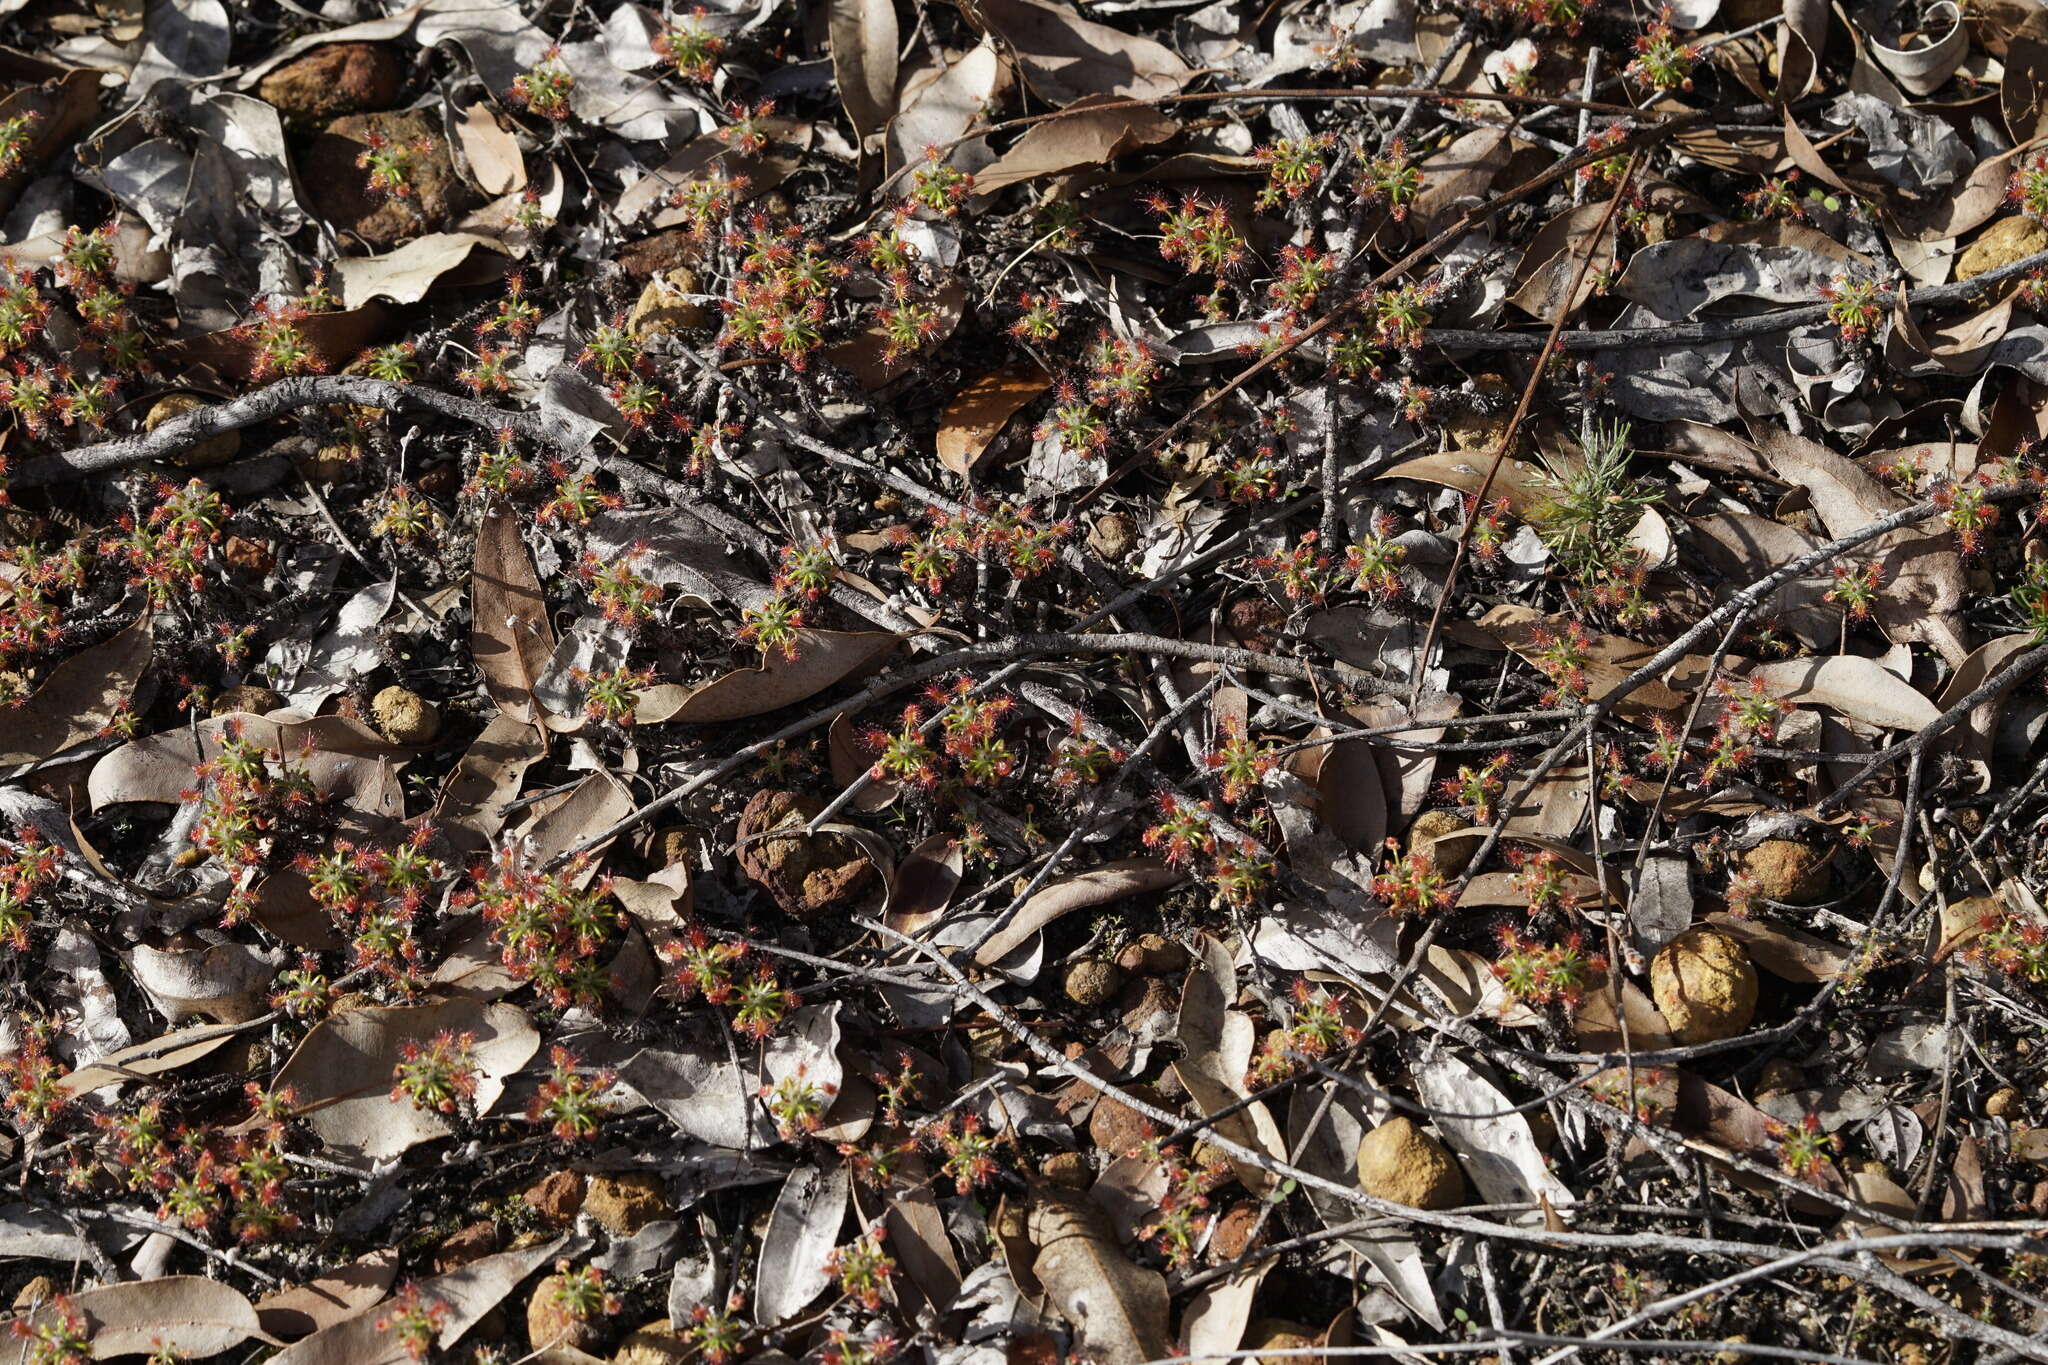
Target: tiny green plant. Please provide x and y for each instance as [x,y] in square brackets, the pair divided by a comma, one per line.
[1303,275]
[806,570]
[85,256]
[103,308]
[1411,883]
[1240,874]
[1399,315]
[33,1079]
[1418,401]
[548,926]
[517,314]
[1641,1091]
[415,1318]
[1607,165]
[885,252]
[501,470]
[545,86]
[691,48]
[1752,710]
[1076,423]
[1060,224]
[58,1334]
[1038,319]
[748,133]
[2033,291]
[1391,179]
[29,395]
[1079,760]
[1777,197]
[610,350]
[1181,1220]
[1300,573]
[760,1003]
[394,166]
[397,363]
[1803,1148]
[1182,831]
[1662,62]
[33,869]
[903,755]
[1476,789]
[580,1292]
[2026,188]
[2014,944]
[1537,973]
[489,371]
[1317,1023]
[1316,1028]
[85,402]
[1294,166]
[17,136]
[317,297]
[404,515]
[773,625]
[1855,589]
[1353,353]
[1251,479]
[568,1101]
[716,1333]
[937,189]
[23,309]
[618,590]
[168,551]
[438,1075]
[1967,508]
[1374,562]
[576,497]
[1855,306]
[842,1349]
[1341,53]
[1196,234]
[1590,504]
[983,760]
[797,1103]
[304,992]
[966,1153]
[906,323]
[1238,762]
[863,1268]
[1120,371]
[1562,654]
[1519,66]
[705,966]
[612,695]
[278,347]
[2030,595]
[639,400]
[705,200]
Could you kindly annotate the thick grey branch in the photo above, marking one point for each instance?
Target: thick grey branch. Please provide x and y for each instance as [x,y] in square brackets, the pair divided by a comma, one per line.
[275,400]
[1724,329]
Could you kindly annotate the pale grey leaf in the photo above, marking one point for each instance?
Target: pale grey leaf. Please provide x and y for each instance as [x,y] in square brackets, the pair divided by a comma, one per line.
[1660,903]
[185,40]
[33,1233]
[700,1092]
[352,648]
[802,1230]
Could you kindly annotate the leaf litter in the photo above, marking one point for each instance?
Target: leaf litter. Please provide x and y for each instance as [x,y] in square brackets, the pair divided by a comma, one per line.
[1022,680]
